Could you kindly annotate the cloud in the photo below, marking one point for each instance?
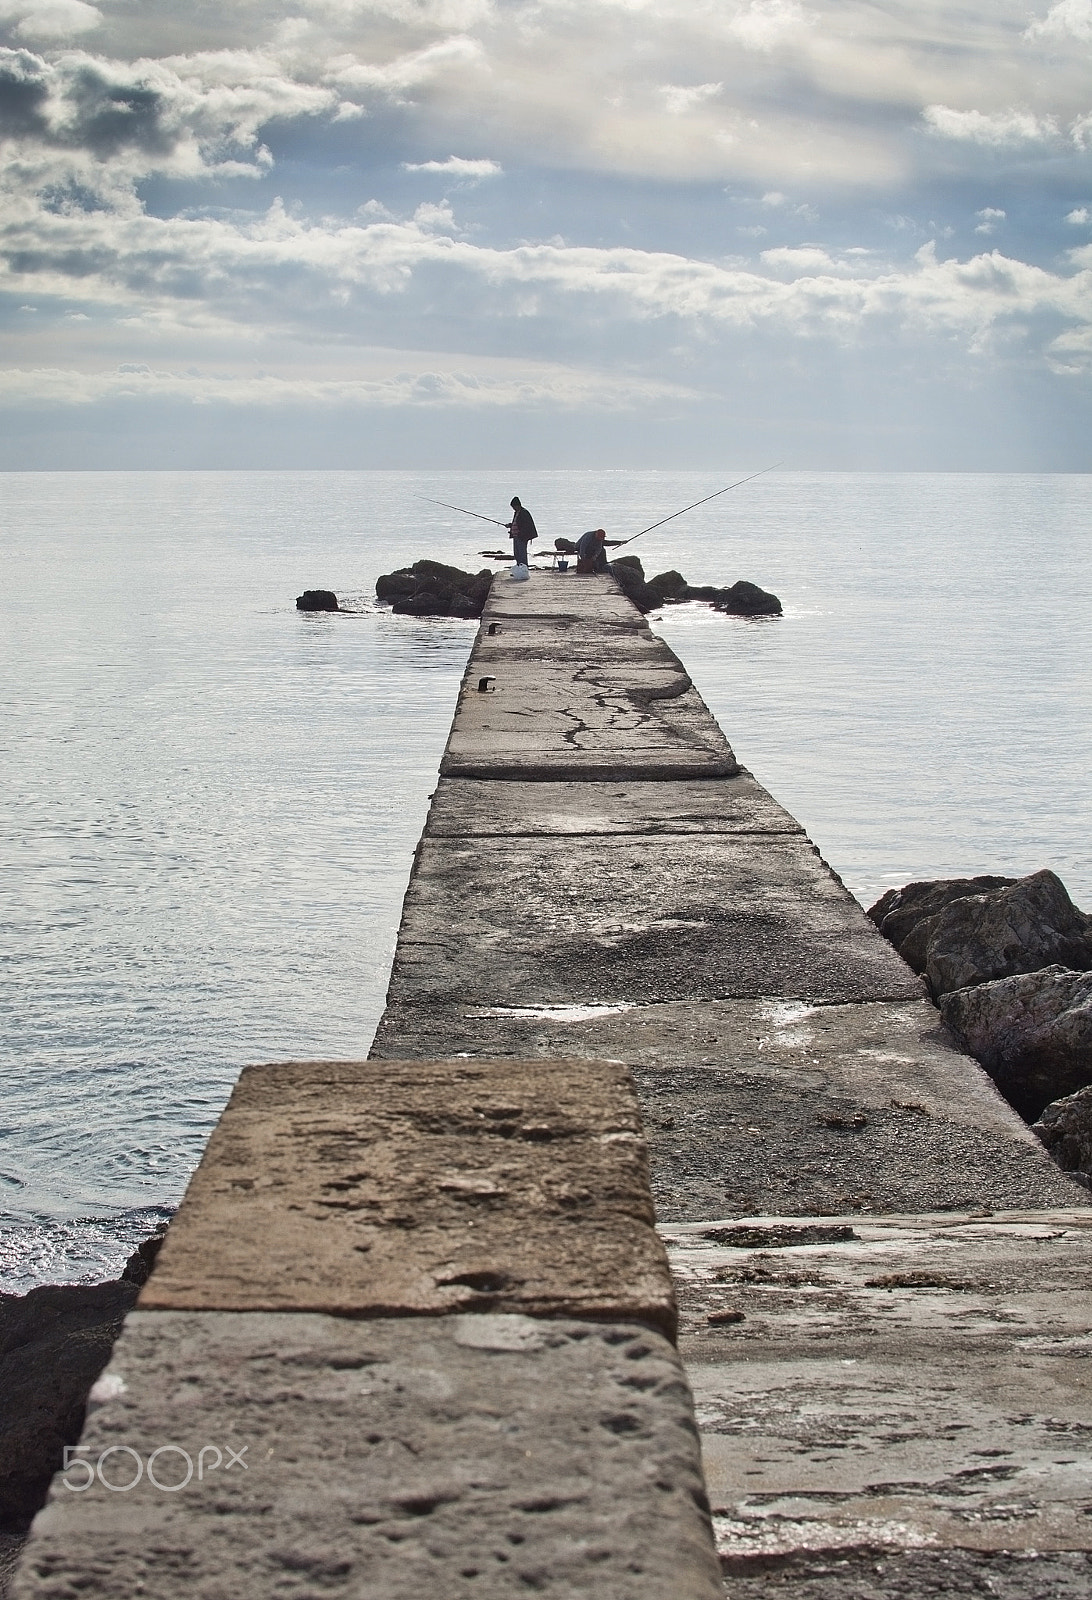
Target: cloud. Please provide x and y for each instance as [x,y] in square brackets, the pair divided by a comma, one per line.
[764,24]
[990,128]
[50,21]
[678,99]
[1067,19]
[988,218]
[457,167]
[436,388]
[1080,215]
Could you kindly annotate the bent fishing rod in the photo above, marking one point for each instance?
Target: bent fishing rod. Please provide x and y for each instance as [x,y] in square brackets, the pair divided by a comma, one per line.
[462,509]
[708,497]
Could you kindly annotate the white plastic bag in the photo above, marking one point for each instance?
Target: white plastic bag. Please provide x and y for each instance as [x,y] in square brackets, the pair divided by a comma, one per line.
[520,573]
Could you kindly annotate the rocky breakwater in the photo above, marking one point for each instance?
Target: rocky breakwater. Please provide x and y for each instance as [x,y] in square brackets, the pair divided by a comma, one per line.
[741,599]
[431,589]
[1009,962]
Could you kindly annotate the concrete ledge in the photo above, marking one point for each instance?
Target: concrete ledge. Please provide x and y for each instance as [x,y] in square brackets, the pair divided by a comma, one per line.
[414,1188]
[891,1384]
[477,1457]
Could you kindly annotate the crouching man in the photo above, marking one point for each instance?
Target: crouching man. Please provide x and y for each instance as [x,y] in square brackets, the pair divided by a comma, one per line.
[591,554]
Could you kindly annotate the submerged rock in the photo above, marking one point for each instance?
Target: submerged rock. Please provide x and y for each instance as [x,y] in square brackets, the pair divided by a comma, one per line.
[317,600]
[1032,1032]
[1065,1128]
[431,589]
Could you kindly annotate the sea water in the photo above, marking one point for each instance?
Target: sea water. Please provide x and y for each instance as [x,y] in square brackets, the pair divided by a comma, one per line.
[210,801]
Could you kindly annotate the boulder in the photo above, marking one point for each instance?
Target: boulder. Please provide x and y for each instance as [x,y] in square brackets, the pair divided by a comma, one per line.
[899,912]
[745,599]
[1028,925]
[54,1342]
[1065,1127]
[630,576]
[431,589]
[671,586]
[317,600]
[1032,1032]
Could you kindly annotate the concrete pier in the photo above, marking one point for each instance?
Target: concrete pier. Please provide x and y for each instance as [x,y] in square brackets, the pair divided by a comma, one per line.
[885,1285]
[426,1292]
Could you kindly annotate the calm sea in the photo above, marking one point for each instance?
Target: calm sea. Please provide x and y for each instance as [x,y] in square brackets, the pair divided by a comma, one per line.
[210,802]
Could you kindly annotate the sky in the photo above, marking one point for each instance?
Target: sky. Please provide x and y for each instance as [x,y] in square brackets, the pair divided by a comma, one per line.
[846,234]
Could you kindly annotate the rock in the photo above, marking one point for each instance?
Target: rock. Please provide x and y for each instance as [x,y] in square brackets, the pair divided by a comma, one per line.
[431,589]
[898,912]
[745,599]
[1032,1032]
[1028,925]
[1065,1127]
[630,576]
[671,586]
[317,600]
[54,1342]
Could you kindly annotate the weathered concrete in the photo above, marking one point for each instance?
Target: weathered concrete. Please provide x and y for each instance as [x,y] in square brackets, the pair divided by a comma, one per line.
[911,1383]
[477,808]
[785,1067]
[595,696]
[461,1456]
[773,1105]
[401,1188]
[621,918]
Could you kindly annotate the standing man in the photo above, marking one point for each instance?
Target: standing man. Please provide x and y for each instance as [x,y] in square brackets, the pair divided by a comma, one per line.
[520,530]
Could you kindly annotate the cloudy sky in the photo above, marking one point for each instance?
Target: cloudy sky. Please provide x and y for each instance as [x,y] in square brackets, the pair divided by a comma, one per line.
[842,233]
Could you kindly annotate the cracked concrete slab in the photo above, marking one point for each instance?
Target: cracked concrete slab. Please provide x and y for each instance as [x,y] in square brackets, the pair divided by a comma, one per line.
[592,695]
[772,1105]
[468,808]
[413,1188]
[616,919]
[890,1384]
[469,1457]
[596,722]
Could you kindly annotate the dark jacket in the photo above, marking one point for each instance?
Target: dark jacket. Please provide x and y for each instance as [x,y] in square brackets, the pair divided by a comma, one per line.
[523,524]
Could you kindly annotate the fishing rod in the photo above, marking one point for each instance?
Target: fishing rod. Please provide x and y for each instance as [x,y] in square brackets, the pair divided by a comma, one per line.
[462,509]
[697,503]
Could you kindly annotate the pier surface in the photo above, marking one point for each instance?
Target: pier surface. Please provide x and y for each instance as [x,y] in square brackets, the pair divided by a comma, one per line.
[885,1285]
[426,1290]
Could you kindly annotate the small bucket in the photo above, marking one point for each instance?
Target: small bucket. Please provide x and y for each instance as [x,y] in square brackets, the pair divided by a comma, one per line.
[563,566]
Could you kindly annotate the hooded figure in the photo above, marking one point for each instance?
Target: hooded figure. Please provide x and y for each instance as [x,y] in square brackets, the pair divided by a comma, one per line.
[520,530]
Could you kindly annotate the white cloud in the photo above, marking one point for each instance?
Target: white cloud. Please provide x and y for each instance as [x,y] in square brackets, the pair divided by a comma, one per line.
[679,98]
[557,388]
[1080,216]
[988,218]
[457,167]
[51,21]
[764,24]
[1067,19]
[990,128]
